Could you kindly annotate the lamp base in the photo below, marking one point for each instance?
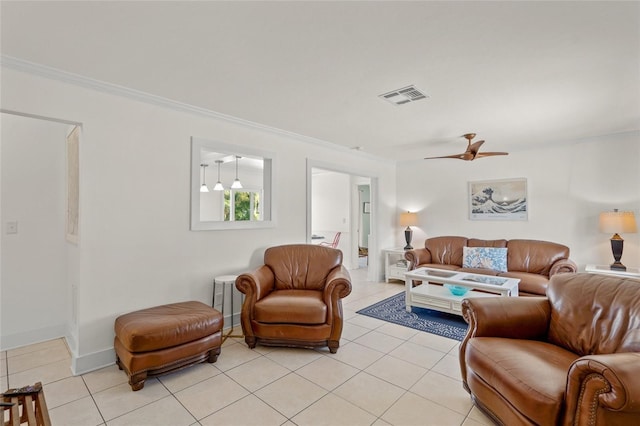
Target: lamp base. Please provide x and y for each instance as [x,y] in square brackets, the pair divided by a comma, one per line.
[408,234]
[617,266]
[617,243]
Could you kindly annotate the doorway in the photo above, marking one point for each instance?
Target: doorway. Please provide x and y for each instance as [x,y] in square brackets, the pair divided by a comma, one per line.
[342,201]
[35,253]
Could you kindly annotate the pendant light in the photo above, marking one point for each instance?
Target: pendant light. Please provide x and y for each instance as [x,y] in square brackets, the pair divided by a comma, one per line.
[218,186]
[236,183]
[204,187]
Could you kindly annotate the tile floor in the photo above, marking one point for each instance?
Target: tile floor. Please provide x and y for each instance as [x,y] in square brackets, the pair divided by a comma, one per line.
[383,374]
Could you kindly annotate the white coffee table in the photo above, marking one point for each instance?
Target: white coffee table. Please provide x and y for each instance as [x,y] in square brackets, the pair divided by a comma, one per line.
[439,298]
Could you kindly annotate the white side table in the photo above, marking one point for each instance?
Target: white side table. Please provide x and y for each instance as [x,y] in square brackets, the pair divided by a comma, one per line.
[395,264]
[605,270]
[225,280]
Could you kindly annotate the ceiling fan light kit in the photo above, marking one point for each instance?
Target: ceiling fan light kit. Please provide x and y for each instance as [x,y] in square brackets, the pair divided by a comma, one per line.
[472,152]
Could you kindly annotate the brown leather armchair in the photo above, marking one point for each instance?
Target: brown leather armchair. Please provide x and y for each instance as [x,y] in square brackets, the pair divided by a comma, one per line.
[294,299]
[572,358]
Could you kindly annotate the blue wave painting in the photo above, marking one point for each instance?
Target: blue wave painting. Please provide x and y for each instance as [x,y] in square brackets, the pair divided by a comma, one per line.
[500,199]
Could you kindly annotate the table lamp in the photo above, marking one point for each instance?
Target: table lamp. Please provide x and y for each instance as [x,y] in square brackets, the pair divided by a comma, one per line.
[408,219]
[617,222]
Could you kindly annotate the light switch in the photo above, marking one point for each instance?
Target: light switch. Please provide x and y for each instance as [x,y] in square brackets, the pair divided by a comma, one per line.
[12,227]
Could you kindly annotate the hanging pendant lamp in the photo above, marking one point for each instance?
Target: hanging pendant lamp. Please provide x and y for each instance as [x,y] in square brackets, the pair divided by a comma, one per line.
[218,186]
[236,183]
[204,187]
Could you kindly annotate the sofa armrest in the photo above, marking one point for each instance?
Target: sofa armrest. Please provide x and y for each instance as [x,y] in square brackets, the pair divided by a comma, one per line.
[604,382]
[510,317]
[256,284]
[563,266]
[417,257]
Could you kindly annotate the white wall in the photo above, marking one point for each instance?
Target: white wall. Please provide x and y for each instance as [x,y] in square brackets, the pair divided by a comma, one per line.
[331,205]
[135,247]
[34,291]
[569,184]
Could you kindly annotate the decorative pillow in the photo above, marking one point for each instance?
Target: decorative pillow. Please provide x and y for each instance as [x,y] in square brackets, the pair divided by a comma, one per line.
[485,257]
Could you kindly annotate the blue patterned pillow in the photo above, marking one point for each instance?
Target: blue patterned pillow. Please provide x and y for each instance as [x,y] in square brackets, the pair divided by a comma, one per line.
[485,257]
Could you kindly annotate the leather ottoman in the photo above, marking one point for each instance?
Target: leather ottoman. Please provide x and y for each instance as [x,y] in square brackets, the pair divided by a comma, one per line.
[166,338]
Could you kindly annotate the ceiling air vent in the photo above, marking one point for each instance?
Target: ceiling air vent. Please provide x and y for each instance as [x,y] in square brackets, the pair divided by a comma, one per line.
[404,95]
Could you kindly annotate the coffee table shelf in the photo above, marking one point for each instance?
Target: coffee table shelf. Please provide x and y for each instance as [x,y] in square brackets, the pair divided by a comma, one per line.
[439,298]
[436,297]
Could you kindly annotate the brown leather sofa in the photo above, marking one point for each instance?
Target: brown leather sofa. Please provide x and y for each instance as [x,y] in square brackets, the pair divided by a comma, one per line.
[571,358]
[294,299]
[531,261]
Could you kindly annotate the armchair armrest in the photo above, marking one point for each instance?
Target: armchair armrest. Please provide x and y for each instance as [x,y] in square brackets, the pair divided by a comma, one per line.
[604,382]
[256,284]
[562,266]
[417,257]
[516,318]
[338,286]
[338,283]
[510,317]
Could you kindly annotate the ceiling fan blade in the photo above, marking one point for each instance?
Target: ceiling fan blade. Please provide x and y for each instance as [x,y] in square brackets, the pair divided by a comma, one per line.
[458,156]
[490,154]
[475,147]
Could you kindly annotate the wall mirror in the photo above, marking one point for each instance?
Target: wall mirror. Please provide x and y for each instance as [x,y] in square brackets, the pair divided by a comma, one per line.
[231,186]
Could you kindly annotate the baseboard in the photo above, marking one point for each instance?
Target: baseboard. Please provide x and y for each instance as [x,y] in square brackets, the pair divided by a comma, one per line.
[81,364]
[31,337]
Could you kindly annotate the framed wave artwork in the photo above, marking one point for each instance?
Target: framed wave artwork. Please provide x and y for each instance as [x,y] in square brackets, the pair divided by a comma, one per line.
[501,199]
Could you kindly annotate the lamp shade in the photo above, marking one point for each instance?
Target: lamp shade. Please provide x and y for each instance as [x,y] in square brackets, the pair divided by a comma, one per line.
[408,219]
[616,222]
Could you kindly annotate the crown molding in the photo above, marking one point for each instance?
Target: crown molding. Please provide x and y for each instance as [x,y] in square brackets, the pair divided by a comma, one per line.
[140,96]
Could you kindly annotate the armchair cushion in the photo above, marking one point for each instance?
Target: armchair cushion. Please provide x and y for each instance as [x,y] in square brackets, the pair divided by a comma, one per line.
[291,306]
[301,269]
[538,394]
[598,318]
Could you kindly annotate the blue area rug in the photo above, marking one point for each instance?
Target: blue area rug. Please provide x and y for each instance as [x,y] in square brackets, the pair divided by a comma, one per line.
[393,310]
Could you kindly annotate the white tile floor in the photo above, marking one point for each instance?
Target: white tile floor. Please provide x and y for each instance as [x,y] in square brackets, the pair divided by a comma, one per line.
[383,374]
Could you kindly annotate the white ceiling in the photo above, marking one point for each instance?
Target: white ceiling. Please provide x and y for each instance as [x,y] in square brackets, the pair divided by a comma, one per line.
[515,73]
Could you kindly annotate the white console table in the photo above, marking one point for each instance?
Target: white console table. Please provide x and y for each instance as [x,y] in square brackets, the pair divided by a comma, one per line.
[606,270]
[395,264]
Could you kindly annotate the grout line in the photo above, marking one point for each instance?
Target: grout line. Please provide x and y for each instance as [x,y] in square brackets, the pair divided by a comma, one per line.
[93,399]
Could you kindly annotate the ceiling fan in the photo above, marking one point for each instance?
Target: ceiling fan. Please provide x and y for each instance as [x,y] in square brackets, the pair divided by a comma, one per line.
[472,151]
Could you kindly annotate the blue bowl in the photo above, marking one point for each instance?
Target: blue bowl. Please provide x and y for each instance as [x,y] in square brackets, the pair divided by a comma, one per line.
[457,290]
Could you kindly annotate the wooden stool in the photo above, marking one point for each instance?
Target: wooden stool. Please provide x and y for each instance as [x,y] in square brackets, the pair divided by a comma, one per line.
[31,400]
[166,338]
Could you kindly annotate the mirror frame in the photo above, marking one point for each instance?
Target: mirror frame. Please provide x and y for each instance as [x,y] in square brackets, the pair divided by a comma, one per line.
[199,144]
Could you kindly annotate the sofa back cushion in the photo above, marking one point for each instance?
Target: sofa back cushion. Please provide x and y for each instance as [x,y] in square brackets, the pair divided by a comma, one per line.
[475,242]
[594,314]
[534,256]
[301,266]
[446,250]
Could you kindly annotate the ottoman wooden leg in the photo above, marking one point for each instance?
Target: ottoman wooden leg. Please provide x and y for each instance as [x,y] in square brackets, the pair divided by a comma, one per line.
[213,354]
[137,381]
